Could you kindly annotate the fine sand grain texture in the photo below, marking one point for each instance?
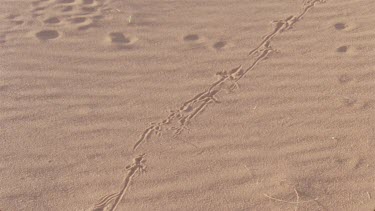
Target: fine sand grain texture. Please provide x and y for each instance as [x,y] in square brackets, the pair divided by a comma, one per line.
[187,105]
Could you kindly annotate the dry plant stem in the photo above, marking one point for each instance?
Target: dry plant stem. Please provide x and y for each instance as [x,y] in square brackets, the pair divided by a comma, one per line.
[297,199]
[290,202]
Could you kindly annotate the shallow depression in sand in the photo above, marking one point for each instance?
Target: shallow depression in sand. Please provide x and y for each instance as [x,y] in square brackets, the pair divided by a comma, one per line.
[88,1]
[340,26]
[191,37]
[65,1]
[342,49]
[219,45]
[118,38]
[78,20]
[47,34]
[53,20]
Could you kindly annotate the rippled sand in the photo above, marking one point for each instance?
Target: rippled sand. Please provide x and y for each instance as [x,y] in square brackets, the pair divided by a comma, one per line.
[187,105]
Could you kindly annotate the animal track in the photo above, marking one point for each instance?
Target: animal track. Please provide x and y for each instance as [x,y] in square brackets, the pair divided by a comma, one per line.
[227,80]
[67,9]
[194,38]
[340,26]
[83,13]
[342,49]
[179,119]
[88,2]
[219,45]
[53,20]
[88,9]
[65,1]
[118,38]
[343,79]
[45,35]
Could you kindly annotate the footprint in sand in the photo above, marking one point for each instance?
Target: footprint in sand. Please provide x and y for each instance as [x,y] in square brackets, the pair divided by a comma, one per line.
[52,20]
[343,26]
[65,1]
[82,23]
[219,45]
[87,2]
[81,14]
[342,49]
[120,40]
[40,12]
[45,35]
[89,9]
[66,9]
[340,26]
[196,39]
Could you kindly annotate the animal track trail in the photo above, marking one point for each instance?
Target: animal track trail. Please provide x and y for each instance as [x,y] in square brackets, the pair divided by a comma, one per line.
[178,120]
[198,103]
[285,25]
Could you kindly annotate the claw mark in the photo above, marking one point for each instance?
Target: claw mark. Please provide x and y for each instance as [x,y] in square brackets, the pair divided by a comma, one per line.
[139,166]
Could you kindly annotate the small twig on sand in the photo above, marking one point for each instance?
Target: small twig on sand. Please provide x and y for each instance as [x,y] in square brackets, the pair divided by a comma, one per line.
[289,202]
[297,198]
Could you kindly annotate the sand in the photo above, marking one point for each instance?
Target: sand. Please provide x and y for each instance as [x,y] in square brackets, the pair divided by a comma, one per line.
[187,105]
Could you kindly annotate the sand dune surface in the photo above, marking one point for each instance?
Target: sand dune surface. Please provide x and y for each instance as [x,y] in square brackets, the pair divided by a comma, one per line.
[187,105]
